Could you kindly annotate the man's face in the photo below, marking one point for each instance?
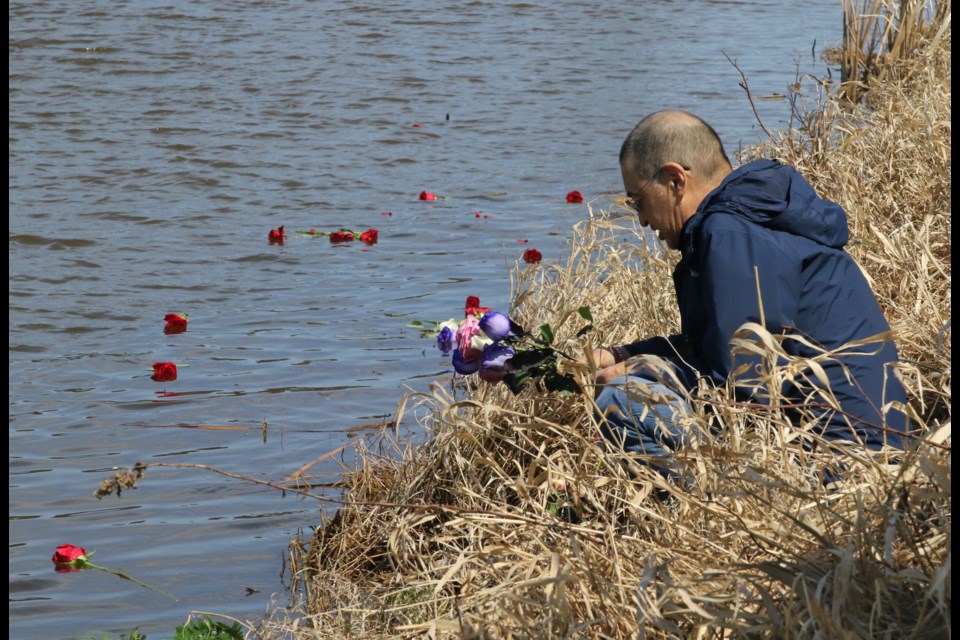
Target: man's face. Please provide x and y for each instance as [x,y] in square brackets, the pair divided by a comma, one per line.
[651,198]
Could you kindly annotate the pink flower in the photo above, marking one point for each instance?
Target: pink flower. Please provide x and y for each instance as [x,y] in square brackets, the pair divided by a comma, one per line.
[426,195]
[574,197]
[468,329]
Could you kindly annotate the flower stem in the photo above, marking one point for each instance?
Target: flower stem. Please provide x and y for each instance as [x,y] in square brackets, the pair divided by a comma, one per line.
[120,574]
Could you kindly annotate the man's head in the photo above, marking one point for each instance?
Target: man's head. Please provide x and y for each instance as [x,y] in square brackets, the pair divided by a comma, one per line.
[670,162]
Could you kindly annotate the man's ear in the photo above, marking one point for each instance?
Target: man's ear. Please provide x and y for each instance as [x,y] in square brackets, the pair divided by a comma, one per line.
[677,176]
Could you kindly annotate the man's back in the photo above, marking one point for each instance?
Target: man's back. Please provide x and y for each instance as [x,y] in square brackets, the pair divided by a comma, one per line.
[765,222]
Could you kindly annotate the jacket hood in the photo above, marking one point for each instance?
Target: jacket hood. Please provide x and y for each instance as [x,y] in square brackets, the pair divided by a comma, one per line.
[776,196]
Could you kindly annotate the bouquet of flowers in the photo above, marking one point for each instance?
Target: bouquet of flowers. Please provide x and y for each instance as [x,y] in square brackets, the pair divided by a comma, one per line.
[497,349]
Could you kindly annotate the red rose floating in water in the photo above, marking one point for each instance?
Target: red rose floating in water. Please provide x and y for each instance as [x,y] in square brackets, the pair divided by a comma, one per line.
[426,195]
[66,556]
[164,372]
[176,322]
[369,236]
[342,236]
[532,256]
[70,557]
[574,197]
[276,235]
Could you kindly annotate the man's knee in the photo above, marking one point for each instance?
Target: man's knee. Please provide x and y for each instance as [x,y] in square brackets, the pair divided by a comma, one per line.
[610,396]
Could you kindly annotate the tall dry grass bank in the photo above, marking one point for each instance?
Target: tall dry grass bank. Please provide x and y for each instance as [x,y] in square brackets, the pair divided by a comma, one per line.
[512,522]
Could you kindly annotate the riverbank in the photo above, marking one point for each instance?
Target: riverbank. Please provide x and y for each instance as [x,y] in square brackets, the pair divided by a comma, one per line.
[511,522]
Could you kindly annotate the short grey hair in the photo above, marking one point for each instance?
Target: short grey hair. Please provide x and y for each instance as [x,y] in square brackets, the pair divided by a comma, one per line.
[674,136]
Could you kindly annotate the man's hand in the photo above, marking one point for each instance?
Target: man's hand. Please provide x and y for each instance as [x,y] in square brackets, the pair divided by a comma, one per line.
[603,358]
[607,366]
[612,372]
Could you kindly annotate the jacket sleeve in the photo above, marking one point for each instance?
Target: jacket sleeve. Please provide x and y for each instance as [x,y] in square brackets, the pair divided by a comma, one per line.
[675,349]
[668,347]
[735,255]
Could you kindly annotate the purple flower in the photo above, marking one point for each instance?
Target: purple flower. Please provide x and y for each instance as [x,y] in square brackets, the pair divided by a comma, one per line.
[447,340]
[495,325]
[464,367]
[496,358]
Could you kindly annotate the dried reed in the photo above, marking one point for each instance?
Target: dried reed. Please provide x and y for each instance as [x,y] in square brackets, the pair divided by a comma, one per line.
[878,33]
[511,521]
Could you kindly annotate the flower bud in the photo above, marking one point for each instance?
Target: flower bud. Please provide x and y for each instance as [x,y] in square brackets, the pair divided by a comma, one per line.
[496,357]
[446,340]
[69,558]
[465,367]
[495,325]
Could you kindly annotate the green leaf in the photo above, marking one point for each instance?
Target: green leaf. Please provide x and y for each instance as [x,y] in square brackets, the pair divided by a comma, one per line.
[556,382]
[207,629]
[526,360]
[546,333]
[585,314]
[516,380]
[586,329]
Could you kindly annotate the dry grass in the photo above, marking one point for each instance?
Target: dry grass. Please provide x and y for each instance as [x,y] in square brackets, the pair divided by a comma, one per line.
[511,522]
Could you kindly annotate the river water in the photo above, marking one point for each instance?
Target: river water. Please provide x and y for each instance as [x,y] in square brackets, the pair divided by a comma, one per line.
[153,146]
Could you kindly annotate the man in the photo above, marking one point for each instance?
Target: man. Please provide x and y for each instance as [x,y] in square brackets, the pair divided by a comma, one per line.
[759,226]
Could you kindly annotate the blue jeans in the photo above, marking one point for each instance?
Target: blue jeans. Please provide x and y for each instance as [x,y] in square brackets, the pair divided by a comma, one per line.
[645,422]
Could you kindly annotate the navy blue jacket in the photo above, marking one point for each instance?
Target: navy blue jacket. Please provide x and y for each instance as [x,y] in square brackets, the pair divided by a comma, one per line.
[764,215]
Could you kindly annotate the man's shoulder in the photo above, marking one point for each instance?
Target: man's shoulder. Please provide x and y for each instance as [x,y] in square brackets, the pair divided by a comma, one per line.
[724,220]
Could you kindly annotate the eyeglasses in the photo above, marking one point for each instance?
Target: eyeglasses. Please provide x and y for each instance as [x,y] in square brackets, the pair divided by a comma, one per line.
[633,201]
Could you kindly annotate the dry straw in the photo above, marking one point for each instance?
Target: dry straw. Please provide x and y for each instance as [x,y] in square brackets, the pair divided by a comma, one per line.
[512,522]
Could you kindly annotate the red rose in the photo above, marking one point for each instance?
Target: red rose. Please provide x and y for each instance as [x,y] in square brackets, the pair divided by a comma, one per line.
[574,197]
[164,372]
[426,195]
[176,323]
[65,558]
[532,256]
[369,236]
[342,236]
[276,235]
[472,307]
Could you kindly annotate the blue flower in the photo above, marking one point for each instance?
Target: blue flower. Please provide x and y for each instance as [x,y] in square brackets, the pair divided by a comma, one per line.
[496,357]
[464,367]
[446,340]
[496,326]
